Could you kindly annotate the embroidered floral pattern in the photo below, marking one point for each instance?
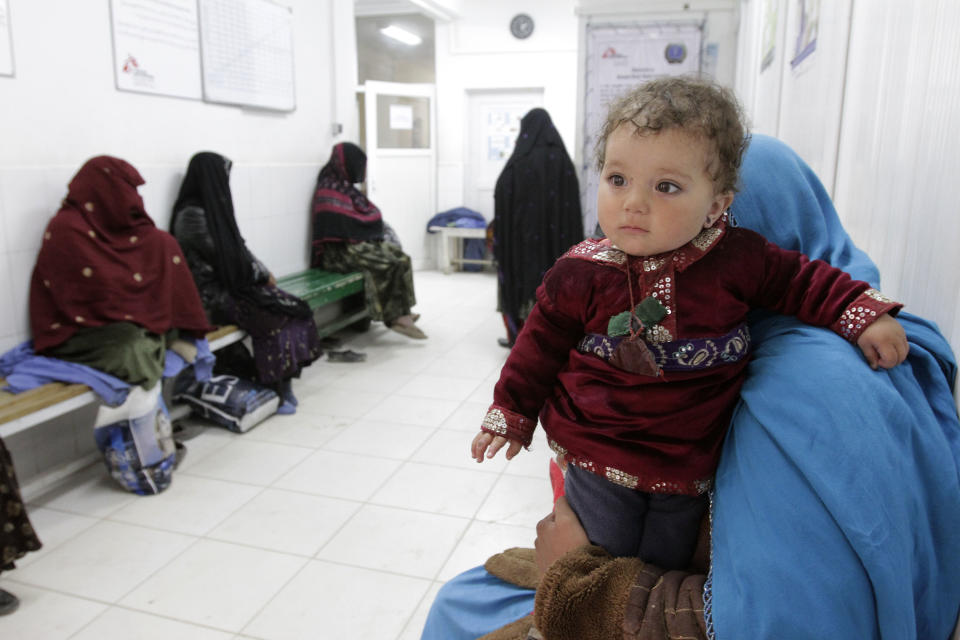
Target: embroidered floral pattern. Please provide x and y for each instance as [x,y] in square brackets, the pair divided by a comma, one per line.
[683,355]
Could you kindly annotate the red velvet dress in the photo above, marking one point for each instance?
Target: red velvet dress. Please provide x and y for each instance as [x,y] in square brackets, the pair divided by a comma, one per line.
[659,431]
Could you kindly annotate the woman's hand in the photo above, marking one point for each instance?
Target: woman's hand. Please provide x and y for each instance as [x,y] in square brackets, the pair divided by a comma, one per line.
[557,534]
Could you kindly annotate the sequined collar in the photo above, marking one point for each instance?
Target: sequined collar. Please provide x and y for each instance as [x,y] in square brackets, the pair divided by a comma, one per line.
[604,252]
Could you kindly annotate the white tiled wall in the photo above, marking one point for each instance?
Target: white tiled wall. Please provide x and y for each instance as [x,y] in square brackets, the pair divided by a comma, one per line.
[272,207]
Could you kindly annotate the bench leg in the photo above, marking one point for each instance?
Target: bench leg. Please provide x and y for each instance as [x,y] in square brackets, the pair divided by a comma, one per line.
[445,253]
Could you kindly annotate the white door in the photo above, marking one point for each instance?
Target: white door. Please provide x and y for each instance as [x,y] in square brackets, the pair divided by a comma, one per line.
[494,122]
[401,160]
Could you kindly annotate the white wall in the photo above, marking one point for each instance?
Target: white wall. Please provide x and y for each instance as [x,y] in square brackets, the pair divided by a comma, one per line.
[61,108]
[874,112]
[476,51]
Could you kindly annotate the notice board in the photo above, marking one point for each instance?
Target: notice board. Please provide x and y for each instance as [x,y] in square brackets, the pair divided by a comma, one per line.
[156,48]
[246,50]
[618,58]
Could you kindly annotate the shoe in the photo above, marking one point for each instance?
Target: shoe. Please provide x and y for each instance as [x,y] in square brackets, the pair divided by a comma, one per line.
[286,409]
[286,392]
[346,356]
[8,602]
[409,330]
[505,343]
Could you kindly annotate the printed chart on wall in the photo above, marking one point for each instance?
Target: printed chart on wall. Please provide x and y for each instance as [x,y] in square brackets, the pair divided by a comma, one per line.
[156,47]
[247,53]
[6,41]
[620,57]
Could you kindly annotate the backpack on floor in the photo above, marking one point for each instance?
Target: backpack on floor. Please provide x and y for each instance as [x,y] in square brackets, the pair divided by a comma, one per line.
[232,402]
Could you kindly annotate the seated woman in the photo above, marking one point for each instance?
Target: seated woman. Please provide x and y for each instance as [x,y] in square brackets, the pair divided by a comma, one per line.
[835,509]
[235,287]
[349,235]
[17,536]
[109,289]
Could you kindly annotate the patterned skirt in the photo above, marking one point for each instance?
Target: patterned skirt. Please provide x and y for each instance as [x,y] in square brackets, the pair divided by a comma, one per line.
[17,536]
[282,345]
[387,275]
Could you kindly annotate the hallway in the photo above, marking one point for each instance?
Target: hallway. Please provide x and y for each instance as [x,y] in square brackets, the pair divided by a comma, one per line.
[340,521]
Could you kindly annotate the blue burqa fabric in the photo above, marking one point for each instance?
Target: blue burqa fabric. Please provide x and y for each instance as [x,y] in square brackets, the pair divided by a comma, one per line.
[836,510]
[837,500]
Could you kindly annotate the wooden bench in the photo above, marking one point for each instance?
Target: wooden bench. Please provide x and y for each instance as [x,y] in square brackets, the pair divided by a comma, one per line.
[20,411]
[337,299]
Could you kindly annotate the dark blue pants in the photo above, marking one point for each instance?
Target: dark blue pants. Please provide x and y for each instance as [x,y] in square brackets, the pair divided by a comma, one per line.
[660,528]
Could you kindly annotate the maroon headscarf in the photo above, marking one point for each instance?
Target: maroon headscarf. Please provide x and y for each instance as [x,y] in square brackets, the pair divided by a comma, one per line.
[104,261]
[340,211]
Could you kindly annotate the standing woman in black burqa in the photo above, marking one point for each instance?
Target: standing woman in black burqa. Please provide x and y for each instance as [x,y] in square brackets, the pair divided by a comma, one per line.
[234,286]
[537,216]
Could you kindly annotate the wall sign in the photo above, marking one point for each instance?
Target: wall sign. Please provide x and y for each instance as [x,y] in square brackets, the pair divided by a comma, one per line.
[156,48]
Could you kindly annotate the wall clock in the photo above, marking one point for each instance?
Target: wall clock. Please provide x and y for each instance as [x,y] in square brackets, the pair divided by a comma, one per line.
[521,26]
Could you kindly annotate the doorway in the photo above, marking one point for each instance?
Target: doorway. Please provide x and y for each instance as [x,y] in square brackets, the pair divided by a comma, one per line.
[400,141]
[494,124]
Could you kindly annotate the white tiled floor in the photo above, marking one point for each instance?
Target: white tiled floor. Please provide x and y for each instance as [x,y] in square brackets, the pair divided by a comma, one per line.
[341,521]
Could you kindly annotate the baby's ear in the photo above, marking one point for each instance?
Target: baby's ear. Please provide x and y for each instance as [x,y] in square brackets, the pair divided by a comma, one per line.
[721,202]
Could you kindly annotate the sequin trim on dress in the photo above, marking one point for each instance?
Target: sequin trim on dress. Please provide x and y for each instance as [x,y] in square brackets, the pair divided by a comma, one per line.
[495,421]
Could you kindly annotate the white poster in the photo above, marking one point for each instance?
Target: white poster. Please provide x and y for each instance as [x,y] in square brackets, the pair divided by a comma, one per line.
[247,53]
[618,59]
[156,47]
[401,117]
[6,41]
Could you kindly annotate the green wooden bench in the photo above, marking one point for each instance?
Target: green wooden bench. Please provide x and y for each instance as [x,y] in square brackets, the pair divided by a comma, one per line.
[337,299]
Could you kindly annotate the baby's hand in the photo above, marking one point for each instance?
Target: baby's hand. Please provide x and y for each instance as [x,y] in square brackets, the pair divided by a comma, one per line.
[484,440]
[884,343]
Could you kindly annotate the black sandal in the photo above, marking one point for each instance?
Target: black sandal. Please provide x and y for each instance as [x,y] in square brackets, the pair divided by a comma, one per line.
[346,356]
[8,602]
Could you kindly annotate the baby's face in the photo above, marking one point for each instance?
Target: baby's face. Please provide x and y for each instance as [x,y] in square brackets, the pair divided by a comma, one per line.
[655,192]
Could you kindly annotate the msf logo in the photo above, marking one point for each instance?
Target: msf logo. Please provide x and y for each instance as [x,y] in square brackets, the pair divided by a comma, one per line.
[139,76]
[130,65]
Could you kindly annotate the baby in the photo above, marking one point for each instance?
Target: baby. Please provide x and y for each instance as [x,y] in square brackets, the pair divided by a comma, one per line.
[634,355]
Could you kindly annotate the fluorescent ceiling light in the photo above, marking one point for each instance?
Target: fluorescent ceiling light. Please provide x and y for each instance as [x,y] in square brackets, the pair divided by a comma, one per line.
[401,35]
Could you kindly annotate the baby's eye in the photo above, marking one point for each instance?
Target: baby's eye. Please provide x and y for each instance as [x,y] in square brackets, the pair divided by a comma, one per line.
[667,187]
[617,180]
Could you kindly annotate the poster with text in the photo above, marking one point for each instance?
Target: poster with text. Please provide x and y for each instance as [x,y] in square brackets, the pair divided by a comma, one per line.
[156,47]
[619,58]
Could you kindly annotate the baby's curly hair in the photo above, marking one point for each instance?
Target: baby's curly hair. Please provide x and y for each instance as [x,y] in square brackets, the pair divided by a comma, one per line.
[694,105]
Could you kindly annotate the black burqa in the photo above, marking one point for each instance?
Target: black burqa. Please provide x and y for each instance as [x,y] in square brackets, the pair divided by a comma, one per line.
[537,215]
[207,185]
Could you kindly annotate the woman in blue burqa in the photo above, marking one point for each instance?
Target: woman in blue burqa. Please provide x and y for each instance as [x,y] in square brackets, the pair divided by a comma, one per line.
[836,505]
